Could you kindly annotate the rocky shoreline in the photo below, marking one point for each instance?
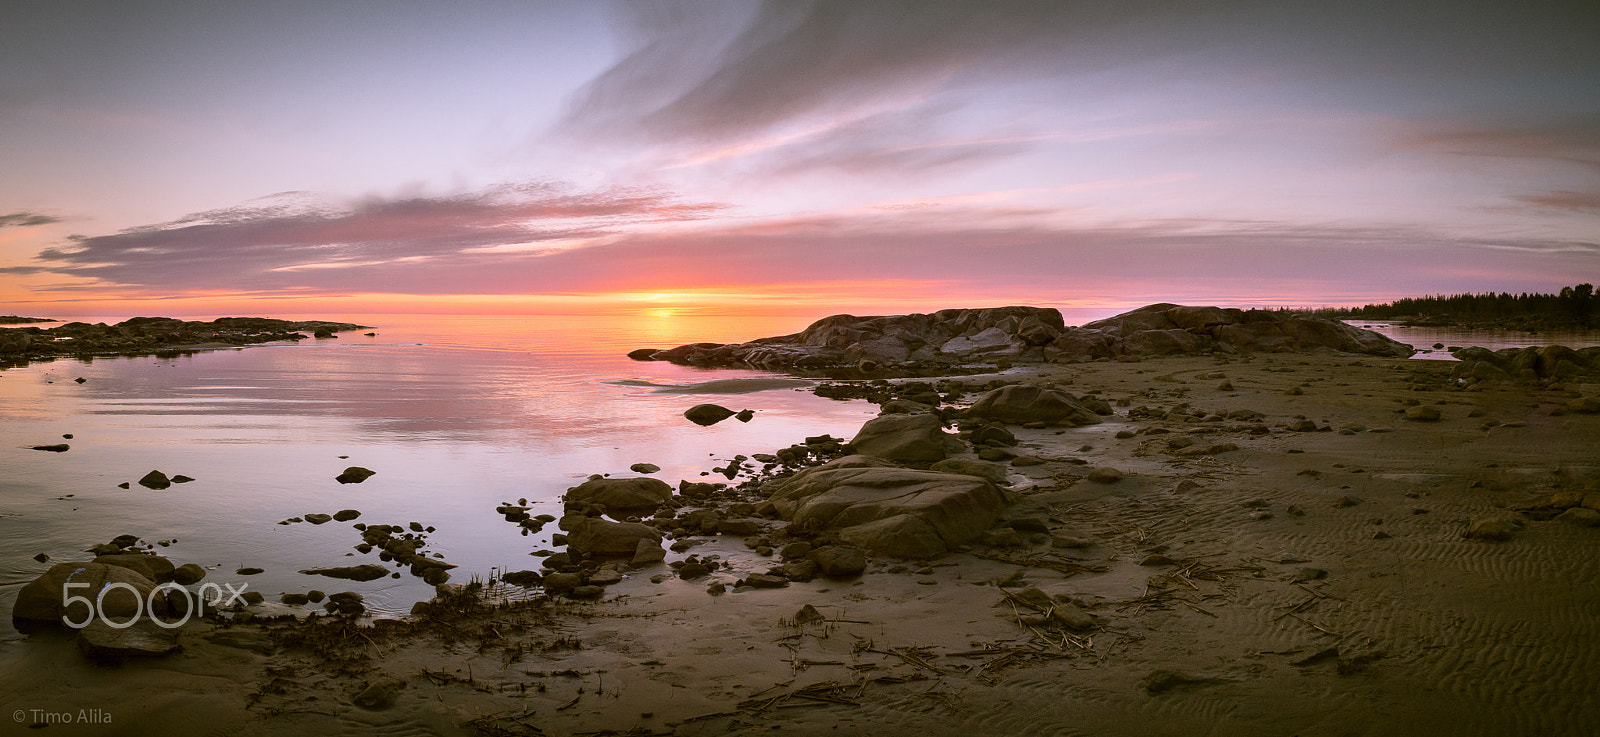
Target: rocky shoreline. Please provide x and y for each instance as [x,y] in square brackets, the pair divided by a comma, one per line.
[141,336]
[948,340]
[1187,518]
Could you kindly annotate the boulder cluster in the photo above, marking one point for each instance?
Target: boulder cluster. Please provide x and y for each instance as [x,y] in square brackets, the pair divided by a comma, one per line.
[955,337]
[1541,364]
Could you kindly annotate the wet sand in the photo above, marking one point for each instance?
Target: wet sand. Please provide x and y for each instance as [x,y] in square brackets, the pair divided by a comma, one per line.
[1319,584]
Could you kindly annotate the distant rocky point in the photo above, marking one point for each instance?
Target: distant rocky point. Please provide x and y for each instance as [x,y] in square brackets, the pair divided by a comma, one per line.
[146,335]
[950,338]
[16,320]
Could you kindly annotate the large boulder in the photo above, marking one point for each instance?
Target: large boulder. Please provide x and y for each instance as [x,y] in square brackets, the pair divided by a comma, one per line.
[907,438]
[42,599]
[943,509]
[153,567]
[622,495]
[603,537]
[1022,403]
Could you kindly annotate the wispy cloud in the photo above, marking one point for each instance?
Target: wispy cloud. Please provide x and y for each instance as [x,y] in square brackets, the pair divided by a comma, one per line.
[26,219]
[271,243]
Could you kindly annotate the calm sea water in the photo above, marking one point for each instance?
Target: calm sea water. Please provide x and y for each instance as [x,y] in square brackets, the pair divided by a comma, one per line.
[455,414]
[1423,339]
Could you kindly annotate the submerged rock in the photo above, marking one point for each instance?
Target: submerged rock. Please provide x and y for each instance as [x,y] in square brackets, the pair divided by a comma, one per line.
[155,480]
[708,414]
[355,475]
[364,572]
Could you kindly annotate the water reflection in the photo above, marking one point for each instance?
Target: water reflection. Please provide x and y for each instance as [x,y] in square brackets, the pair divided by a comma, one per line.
[455,414]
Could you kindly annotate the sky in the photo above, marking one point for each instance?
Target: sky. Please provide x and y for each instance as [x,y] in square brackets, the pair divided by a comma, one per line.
[865,156]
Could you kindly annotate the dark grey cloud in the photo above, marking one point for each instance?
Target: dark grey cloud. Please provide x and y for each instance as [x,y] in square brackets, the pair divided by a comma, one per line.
[26,219]
[703,73]
[279,242]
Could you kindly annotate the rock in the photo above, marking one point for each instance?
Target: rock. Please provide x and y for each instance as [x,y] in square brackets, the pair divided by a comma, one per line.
[1161,681]
[1024,460]
[644,468]
[1581,516]
[808,615]
[603,537]
[243,639]
[364,572]
[623,495]
[911,513]
[993,472]
[1491,529]
[693,569]
[354,475]
[348,603]
[765,581]
[560,583]
[839,560]
[247,571]
[744,415]
[143,639]
[155,480]
[378,696]
[1105,475]
[605,577]
[317,518]
[153,567]
[295,599]
[345,515]
[433,576]
[802,569]
[188,574]
[1020,403]
[647,552]
[707,414]
[521,578]
[181,479]
[1072,617]
[643,354]
[252,598]
[906,438]
[739,527]
[1423,413]
[1581,405]
[795,550]
[586,592]
[56,448]
[42,557]
[41,600]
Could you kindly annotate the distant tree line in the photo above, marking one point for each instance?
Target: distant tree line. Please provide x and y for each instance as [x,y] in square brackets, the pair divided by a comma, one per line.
[1576,305]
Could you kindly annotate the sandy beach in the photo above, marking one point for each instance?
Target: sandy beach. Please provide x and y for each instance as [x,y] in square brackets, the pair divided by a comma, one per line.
[1312,581]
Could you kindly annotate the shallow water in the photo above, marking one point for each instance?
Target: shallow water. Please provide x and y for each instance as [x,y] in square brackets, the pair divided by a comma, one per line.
[456,415]
[1424,338]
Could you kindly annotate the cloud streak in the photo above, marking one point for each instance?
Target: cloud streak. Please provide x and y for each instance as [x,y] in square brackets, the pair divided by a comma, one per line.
[26,219]
[270,243]
[489,244]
